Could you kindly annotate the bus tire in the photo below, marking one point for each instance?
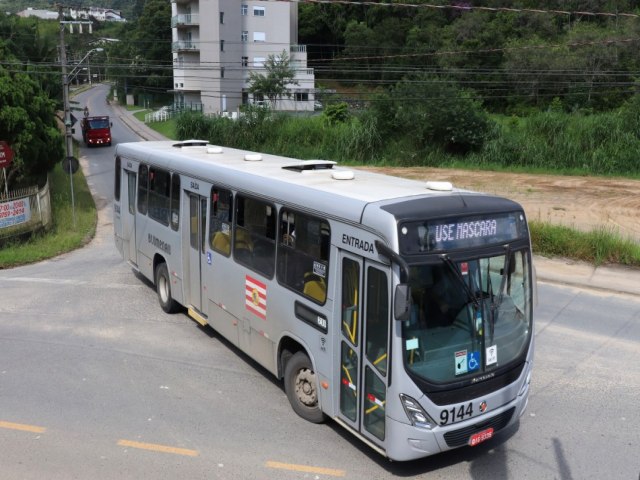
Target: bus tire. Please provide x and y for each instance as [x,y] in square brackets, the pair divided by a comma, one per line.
[301,386]
[163,288]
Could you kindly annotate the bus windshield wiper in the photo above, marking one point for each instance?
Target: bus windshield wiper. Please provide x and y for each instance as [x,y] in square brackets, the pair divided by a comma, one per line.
[496,300]
[458,276]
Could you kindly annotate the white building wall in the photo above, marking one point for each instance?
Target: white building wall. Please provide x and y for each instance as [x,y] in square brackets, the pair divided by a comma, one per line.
[216,45]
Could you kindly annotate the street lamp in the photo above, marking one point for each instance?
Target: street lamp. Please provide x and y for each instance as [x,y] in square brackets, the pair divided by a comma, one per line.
[77,69]
[68,123]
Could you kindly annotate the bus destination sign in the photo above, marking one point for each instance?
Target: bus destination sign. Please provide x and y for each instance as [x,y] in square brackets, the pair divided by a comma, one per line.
[464,232]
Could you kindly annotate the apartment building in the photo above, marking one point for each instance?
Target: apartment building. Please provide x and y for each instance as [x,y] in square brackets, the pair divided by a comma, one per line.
[216,43]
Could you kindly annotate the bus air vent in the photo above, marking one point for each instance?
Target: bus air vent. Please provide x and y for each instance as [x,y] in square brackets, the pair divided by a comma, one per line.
[191,143]
[440,186]
[306,165]
[253,157]
[214,150]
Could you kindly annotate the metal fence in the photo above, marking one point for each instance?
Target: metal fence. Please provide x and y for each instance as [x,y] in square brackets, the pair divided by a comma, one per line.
[25,210]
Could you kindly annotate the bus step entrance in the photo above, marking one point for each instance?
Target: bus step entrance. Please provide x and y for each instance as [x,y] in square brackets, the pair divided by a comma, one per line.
[199,317]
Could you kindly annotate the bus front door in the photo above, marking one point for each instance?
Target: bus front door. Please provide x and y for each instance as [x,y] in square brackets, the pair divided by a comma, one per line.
[130,247]
[197,250]
[364,345]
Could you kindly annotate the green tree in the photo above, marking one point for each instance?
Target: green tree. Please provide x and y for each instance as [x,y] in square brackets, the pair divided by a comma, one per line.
[141,61]
[439,114]
[27,123]
[274,83]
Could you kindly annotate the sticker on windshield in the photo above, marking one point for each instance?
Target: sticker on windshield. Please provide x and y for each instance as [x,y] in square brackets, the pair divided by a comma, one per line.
[461,362]
[473,361]
[492,355]
[411,344]
[464,268]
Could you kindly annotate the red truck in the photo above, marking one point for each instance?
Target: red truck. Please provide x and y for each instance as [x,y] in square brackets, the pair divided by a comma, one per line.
[96,130]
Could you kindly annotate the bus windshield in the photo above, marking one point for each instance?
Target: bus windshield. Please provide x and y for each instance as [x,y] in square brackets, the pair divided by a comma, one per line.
[467,317]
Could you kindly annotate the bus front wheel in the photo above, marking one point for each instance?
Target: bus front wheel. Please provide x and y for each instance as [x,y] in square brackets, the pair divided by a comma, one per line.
[163,287]
[301,386]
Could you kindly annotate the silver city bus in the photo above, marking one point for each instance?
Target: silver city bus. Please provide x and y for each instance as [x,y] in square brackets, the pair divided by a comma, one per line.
[400,309]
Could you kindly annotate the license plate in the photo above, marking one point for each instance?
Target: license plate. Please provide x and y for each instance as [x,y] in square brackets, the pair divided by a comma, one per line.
[480,437]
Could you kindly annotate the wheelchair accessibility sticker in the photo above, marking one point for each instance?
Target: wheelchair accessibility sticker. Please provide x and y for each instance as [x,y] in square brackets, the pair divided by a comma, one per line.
[473,361]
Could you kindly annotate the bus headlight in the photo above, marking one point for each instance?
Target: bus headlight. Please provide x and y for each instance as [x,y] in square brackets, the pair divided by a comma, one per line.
[416,414]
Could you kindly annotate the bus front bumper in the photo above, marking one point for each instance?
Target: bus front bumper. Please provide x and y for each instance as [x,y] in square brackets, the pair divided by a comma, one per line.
[423,442]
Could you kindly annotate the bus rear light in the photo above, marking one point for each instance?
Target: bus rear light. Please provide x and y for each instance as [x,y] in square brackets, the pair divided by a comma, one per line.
[415,413]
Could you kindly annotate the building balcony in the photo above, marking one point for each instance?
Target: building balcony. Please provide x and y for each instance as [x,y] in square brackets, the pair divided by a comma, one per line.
[185,20]
[185,46]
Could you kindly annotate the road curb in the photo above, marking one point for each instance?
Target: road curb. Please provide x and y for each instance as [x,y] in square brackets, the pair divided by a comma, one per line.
[607,278]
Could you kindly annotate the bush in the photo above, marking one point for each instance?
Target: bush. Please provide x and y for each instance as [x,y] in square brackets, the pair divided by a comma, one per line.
[336,113]
[439,114]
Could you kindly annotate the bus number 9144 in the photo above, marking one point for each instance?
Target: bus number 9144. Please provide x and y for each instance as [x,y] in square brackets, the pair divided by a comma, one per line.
[456,414]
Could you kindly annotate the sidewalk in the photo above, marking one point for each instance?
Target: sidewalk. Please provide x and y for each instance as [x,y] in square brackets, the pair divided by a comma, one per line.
[614,279]
[136,126]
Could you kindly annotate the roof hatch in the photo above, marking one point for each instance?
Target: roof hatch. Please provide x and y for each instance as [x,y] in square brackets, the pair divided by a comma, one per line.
[307,165]
[191,143]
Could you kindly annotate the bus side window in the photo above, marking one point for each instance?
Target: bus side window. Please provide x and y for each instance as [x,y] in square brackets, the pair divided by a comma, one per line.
[159,195]
[220,220]
[175,201]
[254,235]
[143,188]
[303,254]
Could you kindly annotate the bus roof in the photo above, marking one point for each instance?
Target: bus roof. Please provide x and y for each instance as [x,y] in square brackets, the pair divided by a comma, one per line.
[310,184]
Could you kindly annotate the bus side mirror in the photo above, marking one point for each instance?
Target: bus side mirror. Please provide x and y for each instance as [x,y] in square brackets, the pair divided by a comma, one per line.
[402,302]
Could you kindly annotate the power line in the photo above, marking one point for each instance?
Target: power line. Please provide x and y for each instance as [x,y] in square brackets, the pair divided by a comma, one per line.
[469,8]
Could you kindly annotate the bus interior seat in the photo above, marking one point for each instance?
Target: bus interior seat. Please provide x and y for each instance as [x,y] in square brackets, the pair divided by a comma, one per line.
[221,242]
[243,240]
[315,287]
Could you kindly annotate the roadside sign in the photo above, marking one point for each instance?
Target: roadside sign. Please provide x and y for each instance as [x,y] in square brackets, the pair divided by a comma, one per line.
[6,154]
[70,165]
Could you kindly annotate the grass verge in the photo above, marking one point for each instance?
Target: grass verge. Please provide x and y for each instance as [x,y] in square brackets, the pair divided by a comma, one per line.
[166,128]
[63,236]
[599,246]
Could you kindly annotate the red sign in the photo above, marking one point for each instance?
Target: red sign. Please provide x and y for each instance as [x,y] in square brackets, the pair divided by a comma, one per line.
[6,154]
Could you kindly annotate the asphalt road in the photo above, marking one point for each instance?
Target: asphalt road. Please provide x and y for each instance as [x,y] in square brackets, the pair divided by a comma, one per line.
[96,381]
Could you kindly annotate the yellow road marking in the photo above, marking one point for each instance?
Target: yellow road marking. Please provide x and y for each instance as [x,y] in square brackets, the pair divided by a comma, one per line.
[307,469]
[158,448]
[22,427]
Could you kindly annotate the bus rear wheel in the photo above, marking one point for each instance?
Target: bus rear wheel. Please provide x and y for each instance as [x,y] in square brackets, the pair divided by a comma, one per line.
[301,386]
[163,287]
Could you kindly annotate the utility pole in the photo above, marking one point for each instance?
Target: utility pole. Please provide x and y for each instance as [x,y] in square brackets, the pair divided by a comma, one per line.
[68,140]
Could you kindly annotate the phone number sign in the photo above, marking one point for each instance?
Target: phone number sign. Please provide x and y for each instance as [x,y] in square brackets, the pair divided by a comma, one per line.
[14,212]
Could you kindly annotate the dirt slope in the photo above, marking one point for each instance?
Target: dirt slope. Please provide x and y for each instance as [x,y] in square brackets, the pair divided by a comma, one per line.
[583,203]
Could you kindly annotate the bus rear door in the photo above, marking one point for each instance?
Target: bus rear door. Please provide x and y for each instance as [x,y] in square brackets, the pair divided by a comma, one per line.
[364,345]
[197,252]
[128,216]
